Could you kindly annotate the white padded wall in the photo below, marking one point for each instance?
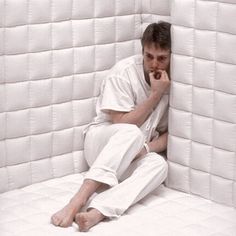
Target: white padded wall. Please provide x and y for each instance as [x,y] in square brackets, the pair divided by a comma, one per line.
[53,55]
[202,122]
[154,11]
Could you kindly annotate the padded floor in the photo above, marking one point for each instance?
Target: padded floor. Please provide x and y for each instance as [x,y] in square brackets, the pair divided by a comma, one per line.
[27,211]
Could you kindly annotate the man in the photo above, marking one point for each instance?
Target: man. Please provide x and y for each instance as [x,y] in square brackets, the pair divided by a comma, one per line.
[130,129]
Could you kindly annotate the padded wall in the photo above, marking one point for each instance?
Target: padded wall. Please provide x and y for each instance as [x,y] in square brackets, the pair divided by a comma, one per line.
[154,11]
[202,124]
[53,57]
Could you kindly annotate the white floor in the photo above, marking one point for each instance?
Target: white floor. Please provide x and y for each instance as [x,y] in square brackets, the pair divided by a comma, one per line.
[166,212]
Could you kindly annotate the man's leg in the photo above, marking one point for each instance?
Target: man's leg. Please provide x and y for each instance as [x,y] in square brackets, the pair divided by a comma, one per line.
[65,216]
[109,150]
[116,146]
[86,220]
[147,174]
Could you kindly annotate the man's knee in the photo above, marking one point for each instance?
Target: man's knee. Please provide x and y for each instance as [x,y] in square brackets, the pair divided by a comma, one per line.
[159,164]
[163,166]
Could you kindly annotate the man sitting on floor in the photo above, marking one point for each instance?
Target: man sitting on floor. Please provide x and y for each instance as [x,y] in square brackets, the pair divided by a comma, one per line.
[123,144]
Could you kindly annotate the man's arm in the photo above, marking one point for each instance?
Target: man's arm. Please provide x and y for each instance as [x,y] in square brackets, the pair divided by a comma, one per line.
[156,145]
[139,115]
[159,144]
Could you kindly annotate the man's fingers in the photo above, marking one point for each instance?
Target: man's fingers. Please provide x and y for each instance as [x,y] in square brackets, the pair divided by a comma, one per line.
[164,76]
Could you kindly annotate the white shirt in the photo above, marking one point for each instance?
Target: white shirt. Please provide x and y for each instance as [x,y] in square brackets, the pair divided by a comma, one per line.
[124,89]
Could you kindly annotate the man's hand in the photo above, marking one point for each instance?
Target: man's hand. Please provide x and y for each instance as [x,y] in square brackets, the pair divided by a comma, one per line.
[160,82]
[159,144]
[139,115]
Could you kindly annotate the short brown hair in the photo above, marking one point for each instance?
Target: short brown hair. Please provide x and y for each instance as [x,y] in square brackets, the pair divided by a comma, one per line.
[157,33]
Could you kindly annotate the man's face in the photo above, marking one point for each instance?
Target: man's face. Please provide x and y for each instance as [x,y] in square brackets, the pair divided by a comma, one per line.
[155,58]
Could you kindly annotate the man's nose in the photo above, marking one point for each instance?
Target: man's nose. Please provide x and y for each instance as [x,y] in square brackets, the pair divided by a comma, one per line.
[155,64]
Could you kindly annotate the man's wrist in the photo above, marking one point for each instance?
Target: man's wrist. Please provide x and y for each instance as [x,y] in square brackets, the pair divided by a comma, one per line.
[155,97]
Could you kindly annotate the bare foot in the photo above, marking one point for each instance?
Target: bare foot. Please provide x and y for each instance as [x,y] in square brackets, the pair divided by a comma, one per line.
[65,216]
[86,220]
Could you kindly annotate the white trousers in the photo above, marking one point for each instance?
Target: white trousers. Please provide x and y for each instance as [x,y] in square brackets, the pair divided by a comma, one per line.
[110,151]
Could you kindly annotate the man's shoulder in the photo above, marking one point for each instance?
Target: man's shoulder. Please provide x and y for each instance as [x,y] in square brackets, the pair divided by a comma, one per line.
[126,63]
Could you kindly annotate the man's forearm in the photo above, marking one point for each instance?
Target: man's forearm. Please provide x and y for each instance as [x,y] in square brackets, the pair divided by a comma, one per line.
[139,115]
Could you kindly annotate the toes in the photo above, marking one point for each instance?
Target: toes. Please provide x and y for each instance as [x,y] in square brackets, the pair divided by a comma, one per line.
[77,218]
[81,220]
[55,220]
[65,223]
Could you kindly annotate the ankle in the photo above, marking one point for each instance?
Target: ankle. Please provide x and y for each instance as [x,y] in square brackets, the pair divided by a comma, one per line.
[96,213]
[77,203]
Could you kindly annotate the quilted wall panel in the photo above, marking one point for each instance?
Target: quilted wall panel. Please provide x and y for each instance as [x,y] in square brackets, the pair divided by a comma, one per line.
[202,142]
[53,57]
[154,11]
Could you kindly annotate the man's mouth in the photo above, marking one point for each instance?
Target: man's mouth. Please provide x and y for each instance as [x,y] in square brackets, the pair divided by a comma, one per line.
[157,74]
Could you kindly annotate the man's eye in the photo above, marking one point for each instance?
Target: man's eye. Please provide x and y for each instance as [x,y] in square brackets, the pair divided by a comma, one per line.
[162,58]
[149,56]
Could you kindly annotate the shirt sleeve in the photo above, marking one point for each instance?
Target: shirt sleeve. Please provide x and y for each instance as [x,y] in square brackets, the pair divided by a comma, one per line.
[117,94]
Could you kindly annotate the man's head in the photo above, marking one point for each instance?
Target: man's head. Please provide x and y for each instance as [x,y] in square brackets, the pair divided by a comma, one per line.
[156,47]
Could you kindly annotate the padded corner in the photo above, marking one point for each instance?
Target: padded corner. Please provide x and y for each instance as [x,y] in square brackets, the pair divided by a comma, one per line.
[222,190]
[178,177]
[197,178]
